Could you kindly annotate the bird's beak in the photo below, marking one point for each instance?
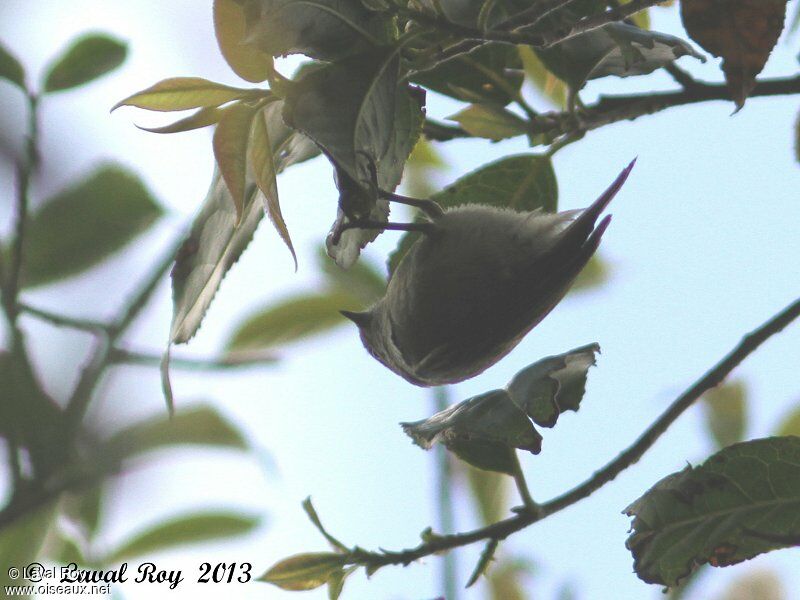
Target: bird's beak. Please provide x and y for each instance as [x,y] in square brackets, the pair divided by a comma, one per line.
[359,318]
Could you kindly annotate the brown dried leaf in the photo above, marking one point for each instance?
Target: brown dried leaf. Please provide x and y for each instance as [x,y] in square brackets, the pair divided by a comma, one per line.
[742,32]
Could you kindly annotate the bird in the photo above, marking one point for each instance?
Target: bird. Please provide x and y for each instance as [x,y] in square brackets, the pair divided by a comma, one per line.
[475,283]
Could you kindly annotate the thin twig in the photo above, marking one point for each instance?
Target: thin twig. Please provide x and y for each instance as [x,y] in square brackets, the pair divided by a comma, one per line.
[63,320]
[133,357]
[93,370]
[522,486]
[503,529]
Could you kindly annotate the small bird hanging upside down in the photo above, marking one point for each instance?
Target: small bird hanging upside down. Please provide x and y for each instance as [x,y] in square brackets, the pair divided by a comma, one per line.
[477,281]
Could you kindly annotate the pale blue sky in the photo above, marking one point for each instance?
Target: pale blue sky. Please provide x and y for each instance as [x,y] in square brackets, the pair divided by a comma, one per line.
[704,245]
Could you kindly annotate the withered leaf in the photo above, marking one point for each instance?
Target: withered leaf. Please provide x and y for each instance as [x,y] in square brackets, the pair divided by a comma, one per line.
[742,32]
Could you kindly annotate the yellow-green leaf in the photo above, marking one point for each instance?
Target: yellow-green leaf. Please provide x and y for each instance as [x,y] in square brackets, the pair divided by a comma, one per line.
[790,424]
[246,60]
[11,69]
[488,121]
[230,149]
[89,57]
[543,80]
[184,93]
[305,571]
[726,413]
[187,529]
[291,320]
[263,165]
[202,118]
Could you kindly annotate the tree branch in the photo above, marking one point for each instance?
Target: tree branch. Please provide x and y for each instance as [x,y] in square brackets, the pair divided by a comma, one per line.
[133,357]
[95,367]
[63,320]
[502,529]
[612,109]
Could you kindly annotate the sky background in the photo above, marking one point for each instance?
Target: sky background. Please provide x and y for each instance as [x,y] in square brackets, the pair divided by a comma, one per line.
[703,248]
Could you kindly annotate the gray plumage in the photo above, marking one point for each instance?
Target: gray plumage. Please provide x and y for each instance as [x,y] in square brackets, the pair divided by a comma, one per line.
[466,293]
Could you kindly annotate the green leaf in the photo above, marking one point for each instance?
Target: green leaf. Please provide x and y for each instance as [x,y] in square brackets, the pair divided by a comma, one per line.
[215,242]
[375,124]
[89,57]
[596,272]
[263,164]
[550,86]
[482,431]
[197,426]
[336,582]
[305,571]
[180,531]
[184,93]
[21,541]
[491,122]
[353,128]
[726,413]
[202,118]
[231,138]
[553,385]
[790,424]
[484,561]
[230,26]
[361,281]
[524,182]
[11,69]
[309,509]
[86,223]
[291,320]
[489,74]
[323,29]
[614,49]
[743,501]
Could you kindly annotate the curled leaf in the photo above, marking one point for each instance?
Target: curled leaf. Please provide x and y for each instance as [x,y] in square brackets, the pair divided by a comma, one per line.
[482,430]
[553,385]
[202,118]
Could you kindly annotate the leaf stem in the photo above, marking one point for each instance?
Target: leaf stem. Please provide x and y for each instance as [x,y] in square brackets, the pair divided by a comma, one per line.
[133,357]
[444,501]
[502,529]
[522,486]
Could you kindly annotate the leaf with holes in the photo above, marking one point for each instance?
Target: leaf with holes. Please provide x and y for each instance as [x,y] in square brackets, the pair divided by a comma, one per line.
[742,502]
[553,385]
[483,431]
[743,34]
